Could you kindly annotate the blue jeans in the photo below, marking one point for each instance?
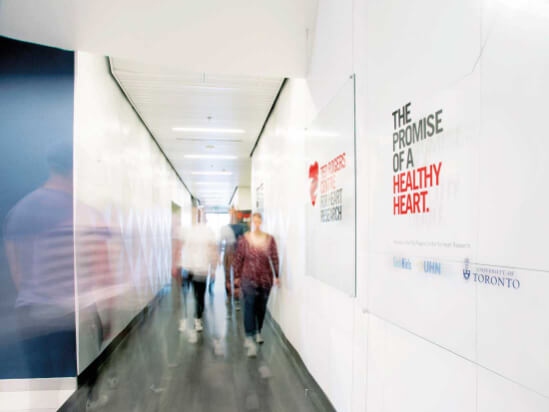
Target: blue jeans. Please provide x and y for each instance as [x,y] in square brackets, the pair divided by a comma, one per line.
[255,307]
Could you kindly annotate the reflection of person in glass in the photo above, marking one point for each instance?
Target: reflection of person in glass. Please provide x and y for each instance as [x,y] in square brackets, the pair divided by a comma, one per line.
[39,243]
[256,263]
[40,239]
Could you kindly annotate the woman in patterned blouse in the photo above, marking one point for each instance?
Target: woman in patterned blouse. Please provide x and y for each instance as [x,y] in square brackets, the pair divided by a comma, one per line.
[256,263]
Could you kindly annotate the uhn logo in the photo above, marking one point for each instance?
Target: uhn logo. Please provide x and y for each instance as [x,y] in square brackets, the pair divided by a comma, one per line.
[466,274]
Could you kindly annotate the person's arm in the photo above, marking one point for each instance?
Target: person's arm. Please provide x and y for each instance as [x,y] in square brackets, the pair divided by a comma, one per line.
[12,262]
[213,253]
[240,255]
[273,254]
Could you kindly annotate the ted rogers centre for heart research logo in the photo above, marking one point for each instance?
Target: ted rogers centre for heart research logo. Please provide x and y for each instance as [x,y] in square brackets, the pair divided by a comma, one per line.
[313,175]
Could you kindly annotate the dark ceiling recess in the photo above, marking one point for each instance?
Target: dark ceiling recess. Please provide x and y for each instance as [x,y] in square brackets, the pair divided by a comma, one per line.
[269,115]
[232,196]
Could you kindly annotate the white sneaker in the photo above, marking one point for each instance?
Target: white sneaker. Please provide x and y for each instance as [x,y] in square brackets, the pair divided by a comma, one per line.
[259,338]
[198,325]
[156,389]
[193,336]
[252,349]
[182,325]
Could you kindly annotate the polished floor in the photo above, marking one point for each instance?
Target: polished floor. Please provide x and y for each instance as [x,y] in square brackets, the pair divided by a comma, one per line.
[157,368]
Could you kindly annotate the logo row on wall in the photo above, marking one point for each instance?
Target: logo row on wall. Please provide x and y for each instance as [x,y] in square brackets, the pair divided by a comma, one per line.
[490,276]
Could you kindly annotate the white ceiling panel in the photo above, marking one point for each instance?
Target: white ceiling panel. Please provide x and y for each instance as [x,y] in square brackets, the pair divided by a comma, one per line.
[205,123]
[259,37]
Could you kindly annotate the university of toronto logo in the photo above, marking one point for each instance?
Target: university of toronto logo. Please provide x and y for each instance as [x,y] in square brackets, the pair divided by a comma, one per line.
[313,175]
[466,270]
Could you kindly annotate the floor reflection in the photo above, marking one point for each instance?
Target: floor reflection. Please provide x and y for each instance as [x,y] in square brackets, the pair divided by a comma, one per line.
[158,369]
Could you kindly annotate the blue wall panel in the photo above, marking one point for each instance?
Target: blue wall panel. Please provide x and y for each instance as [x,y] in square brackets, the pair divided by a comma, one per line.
[37,337]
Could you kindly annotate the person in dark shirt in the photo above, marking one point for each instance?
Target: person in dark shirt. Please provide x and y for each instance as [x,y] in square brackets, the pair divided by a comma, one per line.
[256,264]
[230,235]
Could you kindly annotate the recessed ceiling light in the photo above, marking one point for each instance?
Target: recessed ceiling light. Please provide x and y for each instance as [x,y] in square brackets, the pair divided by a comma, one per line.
[212,173]
[213,183]
[205,156]
[207,130]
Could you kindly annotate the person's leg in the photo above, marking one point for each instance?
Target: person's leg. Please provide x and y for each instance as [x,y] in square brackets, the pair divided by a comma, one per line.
[186,278]
[185,286]
[227,268]
[199,287]
[236,287]
[61,347]
[249,320]
[237,290]
[176,294]
[249,312]
[261,307]
[31,338]
[211,281]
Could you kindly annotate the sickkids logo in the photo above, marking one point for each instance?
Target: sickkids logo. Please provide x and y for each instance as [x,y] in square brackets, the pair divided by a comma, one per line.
[428,266]
[402,263]
[491,276]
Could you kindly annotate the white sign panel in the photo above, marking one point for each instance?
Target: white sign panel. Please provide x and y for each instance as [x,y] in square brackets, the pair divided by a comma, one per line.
[331,217]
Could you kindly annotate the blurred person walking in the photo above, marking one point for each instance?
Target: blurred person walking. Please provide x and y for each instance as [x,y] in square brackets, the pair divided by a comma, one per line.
[199,257]
[230,236]
[256,264]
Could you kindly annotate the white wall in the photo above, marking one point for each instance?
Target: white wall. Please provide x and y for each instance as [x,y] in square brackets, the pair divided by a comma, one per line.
[242,199]
[124,185]
[412,340]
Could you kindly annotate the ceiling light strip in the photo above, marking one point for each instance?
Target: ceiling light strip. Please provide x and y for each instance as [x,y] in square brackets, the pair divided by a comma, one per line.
[199,173]
[203,156]
[208,130]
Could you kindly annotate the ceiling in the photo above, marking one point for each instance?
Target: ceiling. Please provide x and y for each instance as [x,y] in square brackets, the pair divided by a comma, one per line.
[207,64]
[206,124]
[258,37]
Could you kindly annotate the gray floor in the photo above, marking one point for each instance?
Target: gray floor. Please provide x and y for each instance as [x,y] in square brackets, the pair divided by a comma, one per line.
[157,369]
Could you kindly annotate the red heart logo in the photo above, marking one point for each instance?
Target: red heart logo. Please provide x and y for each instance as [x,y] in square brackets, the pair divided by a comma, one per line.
[313,175]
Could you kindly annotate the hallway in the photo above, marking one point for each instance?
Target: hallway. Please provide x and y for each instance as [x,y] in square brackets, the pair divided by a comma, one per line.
[156,368]
[385,156]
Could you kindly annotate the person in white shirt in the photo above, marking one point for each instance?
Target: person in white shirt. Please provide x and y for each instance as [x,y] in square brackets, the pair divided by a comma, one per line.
[199,257]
